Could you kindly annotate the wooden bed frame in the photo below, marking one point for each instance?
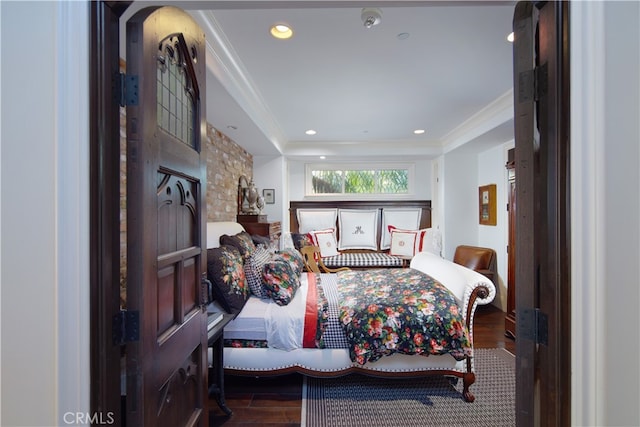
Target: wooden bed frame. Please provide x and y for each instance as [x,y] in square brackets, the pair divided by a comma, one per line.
[335,362]
[237,363]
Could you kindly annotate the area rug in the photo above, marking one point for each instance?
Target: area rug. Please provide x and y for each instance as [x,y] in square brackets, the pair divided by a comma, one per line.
[356,400]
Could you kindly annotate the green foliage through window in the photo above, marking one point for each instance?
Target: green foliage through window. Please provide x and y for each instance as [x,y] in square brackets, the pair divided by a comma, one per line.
[359,181]
[329,181]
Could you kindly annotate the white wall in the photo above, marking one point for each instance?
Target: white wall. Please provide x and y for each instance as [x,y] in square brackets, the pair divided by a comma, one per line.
[44,200]
[492,170]
[460,224]
[270,172]
[467,168]
[622,220]
[605,213]
[422,171]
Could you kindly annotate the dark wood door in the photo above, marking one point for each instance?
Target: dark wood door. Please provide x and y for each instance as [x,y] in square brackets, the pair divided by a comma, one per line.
[510,316]
[543,330]
[166,250]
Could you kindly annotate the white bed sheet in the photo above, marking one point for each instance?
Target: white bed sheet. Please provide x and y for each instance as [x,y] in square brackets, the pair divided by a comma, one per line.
[249,323]
[263,319]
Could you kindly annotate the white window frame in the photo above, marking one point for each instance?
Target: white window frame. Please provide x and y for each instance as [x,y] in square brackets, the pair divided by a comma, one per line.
[308,179]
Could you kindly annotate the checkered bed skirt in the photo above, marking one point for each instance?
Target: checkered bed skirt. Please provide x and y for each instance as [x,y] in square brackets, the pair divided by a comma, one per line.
[362,259]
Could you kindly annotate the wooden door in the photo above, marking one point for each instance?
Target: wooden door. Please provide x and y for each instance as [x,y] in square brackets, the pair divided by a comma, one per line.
[541,90]
[510,316]
[104,113]
[166,250]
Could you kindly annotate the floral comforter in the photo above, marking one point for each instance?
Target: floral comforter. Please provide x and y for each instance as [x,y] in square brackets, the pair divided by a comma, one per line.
[388,311]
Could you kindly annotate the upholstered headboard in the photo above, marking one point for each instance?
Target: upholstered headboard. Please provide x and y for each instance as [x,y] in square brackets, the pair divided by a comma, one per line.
[366,205]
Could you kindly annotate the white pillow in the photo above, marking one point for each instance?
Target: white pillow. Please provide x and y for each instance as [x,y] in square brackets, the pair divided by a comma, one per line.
[432,241]
[406,219]
[358,229]
[316,219]
[405,242]
[326,241]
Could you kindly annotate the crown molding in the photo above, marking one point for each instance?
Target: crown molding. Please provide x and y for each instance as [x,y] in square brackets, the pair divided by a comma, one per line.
[493,115]
[225,65]
[360,149]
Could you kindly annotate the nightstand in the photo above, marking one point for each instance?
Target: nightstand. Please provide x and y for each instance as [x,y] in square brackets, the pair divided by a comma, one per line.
[216,370]
[271,230]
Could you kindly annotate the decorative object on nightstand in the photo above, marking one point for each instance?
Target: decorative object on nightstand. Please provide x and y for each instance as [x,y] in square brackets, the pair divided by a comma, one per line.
[250,202]
[260,204]
[243,184]
[251,193]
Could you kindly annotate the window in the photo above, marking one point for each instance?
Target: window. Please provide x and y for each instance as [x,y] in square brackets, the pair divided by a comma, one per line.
[359,180]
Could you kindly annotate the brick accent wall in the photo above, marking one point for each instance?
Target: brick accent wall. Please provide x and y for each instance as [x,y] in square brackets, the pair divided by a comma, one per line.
[226,162]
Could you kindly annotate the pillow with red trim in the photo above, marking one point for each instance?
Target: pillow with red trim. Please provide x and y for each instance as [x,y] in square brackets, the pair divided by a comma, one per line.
[326,241]
[405,242]
[404,218]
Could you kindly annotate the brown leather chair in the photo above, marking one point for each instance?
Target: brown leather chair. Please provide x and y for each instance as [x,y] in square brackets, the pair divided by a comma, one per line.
[482,260]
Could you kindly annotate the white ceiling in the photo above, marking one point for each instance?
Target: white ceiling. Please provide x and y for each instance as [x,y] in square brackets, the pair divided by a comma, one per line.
[363,90]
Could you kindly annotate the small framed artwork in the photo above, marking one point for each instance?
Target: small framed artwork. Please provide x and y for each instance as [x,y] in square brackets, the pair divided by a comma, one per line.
[487,204]
[269,195]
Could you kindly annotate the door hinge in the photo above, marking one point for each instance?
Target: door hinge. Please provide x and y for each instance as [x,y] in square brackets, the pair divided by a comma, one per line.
[127,89]
[126,327]
[541,81]
[533,84]
[533,325]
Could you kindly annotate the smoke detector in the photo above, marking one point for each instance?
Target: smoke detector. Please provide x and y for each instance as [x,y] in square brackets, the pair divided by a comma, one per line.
[371,16]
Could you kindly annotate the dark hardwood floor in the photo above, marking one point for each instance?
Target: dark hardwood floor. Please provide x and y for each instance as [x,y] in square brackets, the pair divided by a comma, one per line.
[277,401]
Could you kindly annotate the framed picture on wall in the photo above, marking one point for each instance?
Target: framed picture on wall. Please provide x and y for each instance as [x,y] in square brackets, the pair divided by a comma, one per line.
[269,195]
[487,204]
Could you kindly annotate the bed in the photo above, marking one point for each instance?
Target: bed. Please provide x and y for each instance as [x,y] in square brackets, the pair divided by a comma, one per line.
[269,338]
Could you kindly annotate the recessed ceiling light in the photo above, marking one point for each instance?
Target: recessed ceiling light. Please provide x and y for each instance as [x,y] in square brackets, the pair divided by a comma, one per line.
[418,131]
[281,31]
[403,36]
[322,157]
[511,37]
[310,132]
